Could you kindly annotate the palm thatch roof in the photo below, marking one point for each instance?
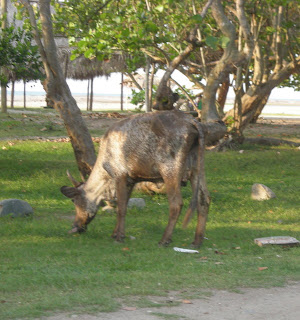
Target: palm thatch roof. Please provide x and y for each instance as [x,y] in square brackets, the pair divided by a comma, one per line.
[83,68]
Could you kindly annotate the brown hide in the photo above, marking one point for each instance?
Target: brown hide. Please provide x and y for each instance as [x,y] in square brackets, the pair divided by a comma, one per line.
[163,147]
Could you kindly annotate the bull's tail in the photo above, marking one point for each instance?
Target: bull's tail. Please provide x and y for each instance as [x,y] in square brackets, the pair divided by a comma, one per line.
[199,171]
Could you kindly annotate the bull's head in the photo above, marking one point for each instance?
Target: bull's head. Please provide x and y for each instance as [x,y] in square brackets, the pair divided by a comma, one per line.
[84,211]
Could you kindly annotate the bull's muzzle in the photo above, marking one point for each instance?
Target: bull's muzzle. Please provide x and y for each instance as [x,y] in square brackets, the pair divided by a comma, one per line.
[77,229]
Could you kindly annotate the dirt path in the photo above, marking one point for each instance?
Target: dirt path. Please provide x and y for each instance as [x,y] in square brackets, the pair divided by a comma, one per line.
[249,304]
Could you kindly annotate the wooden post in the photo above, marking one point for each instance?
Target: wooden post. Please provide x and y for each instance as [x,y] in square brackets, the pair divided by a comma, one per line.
[91,94]
[12,94]
[122,90]
[24,93]
[88,96]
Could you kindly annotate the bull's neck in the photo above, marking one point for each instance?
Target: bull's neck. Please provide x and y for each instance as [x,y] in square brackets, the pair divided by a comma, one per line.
[98,186]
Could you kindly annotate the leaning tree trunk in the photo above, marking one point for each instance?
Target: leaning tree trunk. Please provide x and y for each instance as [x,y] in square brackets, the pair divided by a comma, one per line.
[165,99]
[57,91]
[256,96]
[222,95]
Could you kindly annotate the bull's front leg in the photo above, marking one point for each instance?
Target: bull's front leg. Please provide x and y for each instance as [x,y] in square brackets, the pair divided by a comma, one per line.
[123,191]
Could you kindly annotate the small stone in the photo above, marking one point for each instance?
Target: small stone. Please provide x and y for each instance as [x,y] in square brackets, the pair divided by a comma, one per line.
[15,208]
[136,202]
[261,192]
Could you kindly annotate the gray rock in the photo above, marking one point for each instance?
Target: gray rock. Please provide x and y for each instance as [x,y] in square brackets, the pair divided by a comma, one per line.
[15,208]
[261,192]
[136,202]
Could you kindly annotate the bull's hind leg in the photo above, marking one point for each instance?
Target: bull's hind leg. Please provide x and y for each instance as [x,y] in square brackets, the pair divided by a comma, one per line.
[123,191]
[202,209]
[175,205]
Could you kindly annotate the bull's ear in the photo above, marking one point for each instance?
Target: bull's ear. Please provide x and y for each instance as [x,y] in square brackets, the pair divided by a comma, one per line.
[69,192]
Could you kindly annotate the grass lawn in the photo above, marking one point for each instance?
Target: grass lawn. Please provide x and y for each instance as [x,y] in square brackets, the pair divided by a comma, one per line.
[44,270]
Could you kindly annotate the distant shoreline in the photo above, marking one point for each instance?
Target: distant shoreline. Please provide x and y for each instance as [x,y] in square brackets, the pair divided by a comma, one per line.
[113,102]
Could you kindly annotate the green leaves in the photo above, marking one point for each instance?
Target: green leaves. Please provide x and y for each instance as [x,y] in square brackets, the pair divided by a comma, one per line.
[151,27]
[159,8]
[224,41]
[212,42]
[18,56]
[197,18]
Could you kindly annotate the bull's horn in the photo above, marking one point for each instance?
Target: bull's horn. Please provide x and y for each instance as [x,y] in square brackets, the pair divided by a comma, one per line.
[74,182]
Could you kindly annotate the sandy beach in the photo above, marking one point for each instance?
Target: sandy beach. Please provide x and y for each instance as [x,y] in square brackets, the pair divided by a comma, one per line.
[100,102]
[113,102]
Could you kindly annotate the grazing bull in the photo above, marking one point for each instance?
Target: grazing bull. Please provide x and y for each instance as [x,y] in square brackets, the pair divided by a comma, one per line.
[167,147]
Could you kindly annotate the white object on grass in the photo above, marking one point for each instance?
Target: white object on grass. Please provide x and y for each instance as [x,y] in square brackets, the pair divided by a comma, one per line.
[185,250]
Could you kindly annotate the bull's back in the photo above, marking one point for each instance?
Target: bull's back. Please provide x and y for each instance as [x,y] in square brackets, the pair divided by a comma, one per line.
[140,145]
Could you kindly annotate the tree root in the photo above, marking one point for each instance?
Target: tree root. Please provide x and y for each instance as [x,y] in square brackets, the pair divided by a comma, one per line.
[230,144]
[271,142]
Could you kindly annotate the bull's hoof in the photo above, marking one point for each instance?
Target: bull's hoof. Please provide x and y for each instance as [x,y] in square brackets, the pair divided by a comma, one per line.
[118,238]
[164,243]
[196,245]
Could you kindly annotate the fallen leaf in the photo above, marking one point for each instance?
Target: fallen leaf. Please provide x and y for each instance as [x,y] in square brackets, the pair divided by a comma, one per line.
[219,262]
[187,301]
[125,249]
[219,252]
[129,308]
[203,258]
[262,268]
[237,248]
[44,129]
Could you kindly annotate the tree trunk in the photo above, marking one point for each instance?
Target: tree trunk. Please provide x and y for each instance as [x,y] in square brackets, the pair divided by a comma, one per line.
[164,97]
[257,95]
[220,72]
[2,70]
[58,92]
[222,95]
[147,85]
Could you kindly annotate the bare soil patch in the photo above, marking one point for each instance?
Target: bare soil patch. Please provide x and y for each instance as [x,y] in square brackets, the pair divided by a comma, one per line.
[285,128]
[247,304]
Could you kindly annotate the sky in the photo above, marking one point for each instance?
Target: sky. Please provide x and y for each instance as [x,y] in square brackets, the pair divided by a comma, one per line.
[112,85]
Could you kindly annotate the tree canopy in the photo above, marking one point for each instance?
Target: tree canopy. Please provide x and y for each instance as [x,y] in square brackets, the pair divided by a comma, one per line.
[262,36]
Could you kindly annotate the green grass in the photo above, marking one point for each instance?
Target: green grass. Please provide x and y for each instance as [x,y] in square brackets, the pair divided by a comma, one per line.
[44,270]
